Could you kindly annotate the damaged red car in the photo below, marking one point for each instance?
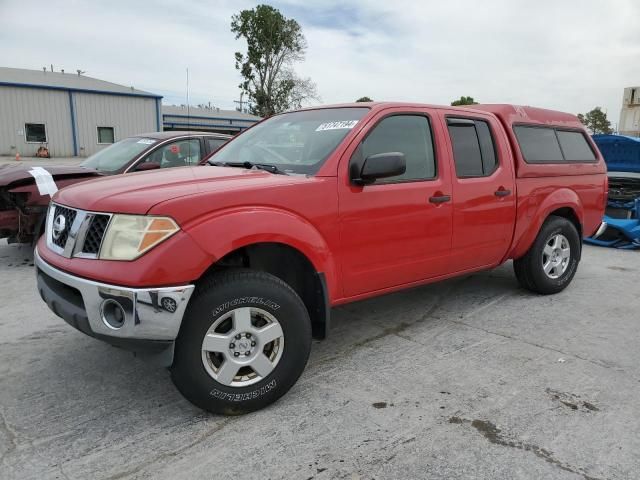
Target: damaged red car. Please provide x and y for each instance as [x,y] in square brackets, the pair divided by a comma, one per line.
[25,190]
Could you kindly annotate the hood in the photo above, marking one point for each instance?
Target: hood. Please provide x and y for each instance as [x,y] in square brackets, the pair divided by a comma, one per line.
[137,193]
[621,153]
[19,173]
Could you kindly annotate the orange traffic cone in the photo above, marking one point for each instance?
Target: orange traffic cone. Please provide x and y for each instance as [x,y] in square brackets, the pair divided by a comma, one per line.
[17,157]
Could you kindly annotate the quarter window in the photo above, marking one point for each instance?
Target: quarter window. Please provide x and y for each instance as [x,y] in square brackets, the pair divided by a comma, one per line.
[553,145]
[410,135]
[473,149]
[215,143]
[35,133]
[106,135]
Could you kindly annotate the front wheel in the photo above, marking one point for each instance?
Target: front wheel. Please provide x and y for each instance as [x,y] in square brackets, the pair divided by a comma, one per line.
[245,340]
[552,261]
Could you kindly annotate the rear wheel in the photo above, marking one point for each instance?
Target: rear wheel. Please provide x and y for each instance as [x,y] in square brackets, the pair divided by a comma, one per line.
[552,261]
[244,342]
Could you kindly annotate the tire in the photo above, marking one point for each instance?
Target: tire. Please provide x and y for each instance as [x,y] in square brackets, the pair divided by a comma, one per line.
[239,311]
[549,250]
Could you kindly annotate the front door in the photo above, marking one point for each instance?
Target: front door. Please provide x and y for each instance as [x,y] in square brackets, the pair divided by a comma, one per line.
[396,230]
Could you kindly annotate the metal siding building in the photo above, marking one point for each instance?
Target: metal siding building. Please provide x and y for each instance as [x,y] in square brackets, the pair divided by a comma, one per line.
[630,113]
[206,119]
[71,107]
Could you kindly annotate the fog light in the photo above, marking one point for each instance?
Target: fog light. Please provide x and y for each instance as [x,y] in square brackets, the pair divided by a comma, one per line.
[112,314]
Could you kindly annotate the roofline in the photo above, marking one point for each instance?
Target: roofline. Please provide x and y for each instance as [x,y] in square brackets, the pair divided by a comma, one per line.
[200,117]
[210,125]
[79,90]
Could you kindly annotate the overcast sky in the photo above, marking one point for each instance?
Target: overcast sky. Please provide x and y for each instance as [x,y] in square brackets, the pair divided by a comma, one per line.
[569,55]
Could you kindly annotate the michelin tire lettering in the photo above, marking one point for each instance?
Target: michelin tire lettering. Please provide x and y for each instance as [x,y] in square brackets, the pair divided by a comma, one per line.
[241,397]
[243,300]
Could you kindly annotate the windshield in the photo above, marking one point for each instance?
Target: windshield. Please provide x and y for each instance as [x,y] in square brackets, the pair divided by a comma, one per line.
[297,142]
[118,155]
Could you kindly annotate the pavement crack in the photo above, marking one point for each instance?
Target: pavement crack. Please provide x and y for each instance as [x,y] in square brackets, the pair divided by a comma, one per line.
[162,456]
[11,434]
[402,326]
[494,435]
[539,345]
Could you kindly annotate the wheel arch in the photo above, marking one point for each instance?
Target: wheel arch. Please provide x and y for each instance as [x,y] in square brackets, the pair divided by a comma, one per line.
[563,203]
[291,266]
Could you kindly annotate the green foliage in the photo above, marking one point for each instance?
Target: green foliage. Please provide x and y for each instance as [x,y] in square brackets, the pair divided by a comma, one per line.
[596,121]
[464,101]
[274,44]
[364,99]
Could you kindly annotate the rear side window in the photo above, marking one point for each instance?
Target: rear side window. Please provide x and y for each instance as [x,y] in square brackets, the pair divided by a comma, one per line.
[552,145]
[574,146]
[473,148]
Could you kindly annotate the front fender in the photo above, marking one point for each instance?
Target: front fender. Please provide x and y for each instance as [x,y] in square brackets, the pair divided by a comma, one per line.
[228,230]
[537,210]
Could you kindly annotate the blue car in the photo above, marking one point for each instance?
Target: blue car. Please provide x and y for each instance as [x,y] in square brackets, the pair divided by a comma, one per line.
[622,216]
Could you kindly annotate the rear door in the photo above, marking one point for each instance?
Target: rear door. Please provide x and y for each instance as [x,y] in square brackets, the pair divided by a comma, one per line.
[391,233]
[483,185]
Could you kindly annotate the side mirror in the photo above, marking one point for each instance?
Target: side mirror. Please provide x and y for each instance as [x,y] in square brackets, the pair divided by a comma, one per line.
[144,166]
[380,165]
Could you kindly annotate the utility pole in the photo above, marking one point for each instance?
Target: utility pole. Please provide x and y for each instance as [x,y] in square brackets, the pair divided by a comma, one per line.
[240,107]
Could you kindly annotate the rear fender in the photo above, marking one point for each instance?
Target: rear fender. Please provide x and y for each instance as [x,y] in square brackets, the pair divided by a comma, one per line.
[228,230]
[539,212]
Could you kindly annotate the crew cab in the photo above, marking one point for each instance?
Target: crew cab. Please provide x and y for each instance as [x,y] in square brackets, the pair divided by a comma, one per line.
[226,273]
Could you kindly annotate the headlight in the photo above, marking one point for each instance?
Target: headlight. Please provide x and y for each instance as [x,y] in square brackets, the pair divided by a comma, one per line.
[129,236]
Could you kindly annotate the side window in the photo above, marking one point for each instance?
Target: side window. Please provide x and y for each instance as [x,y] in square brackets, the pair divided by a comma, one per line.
[183,153]
[410,135]
[473,149]
[538,144]
[553,145]
[575,147]
[215,143]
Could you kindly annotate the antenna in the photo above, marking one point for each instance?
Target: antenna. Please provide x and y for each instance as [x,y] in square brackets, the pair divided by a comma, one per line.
[188,113]
[188,110]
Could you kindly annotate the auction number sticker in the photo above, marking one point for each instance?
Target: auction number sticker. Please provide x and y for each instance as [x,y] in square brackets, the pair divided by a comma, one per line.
[344,124]
[146,141]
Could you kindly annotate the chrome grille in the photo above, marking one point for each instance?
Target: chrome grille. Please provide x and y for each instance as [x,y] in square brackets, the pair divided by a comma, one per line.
[69,215]
[95,233]
[75,233]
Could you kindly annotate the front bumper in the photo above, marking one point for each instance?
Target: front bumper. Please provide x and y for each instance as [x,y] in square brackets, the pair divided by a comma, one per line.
[151,316]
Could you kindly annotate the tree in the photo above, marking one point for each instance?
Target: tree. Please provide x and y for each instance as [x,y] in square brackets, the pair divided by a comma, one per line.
[464,101]
[274,44]
[364,99]
[596,121]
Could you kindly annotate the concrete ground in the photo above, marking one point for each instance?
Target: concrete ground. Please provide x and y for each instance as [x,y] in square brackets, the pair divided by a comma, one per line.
[470,378]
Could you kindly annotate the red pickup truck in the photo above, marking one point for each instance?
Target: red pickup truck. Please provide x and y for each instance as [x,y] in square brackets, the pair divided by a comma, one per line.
[226,273]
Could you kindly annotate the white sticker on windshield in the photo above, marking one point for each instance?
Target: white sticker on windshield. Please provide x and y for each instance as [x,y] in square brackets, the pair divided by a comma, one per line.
[344,124]
[146,141]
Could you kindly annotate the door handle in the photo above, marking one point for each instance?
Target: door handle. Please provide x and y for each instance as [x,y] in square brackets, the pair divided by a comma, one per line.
[502,192]
[439,199]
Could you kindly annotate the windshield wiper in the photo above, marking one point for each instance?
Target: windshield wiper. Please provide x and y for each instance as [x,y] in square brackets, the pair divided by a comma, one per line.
[249,165]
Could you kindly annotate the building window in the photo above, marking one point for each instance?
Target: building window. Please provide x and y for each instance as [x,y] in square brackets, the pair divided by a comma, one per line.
[35,133]
[106,135]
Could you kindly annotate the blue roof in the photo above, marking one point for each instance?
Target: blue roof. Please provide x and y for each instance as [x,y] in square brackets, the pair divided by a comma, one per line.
[621,153]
